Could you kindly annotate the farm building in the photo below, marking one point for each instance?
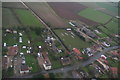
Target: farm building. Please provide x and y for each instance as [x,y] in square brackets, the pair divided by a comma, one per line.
[47,63]
[12,50]
[88,32]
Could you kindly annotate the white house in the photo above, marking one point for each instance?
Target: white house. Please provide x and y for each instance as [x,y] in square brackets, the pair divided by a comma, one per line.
[24,69]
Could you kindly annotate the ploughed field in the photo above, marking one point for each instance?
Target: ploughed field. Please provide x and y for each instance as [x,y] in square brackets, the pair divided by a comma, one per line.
[47,14]
[70,10]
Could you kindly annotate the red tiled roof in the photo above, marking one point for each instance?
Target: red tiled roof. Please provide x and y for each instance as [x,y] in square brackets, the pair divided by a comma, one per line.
[76,51]
[114,53]
[12,50]
[80,57]
[114,70]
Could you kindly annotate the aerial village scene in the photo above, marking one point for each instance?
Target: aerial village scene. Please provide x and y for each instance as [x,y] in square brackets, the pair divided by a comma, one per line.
[60,40]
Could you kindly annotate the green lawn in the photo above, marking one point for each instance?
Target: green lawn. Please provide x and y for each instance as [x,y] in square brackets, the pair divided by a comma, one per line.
[27,18]
[10,39]
[71,42]
[31,61]
[94,15]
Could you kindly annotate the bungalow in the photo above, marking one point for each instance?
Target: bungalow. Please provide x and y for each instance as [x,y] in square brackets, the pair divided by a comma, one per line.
[65,60]
[12,50]
[24,69]
[5,62]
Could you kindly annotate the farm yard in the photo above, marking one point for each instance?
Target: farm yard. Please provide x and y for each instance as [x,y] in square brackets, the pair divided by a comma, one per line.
[71,40]
[95,15]
[47,14]
[70,11]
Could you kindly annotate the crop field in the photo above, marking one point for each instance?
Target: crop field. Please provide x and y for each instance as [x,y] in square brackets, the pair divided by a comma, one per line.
[47,14]
[95,15]
[13,5]
[70,11]
[113,26]
[71,40]
[8,18]
[27,18]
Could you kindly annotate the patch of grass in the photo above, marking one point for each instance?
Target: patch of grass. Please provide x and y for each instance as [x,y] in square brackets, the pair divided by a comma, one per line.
[105,30]
[113,27]
[27,18]
[94,15]
[10,39]
[31,61]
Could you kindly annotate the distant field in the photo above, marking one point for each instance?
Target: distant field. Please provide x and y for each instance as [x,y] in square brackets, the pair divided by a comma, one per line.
[71,42]
[94,15]
[108,6]
[44,11]
[113,26]
[70,11]
[8,18]
[27,18]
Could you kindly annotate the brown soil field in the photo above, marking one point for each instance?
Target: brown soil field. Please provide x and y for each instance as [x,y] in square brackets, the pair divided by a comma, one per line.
[46,13]
[13,5]
[69,10]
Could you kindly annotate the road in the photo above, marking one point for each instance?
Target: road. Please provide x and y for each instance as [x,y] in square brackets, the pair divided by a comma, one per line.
[69,68]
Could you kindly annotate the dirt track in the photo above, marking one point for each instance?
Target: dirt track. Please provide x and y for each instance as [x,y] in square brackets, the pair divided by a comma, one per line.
[70,10]
[45,12]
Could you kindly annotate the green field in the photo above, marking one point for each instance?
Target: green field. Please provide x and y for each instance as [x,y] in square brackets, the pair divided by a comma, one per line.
[31,61]
[113,26]
[94,15]
[27,18]
[8,18]
[71,42]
